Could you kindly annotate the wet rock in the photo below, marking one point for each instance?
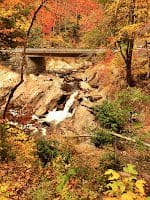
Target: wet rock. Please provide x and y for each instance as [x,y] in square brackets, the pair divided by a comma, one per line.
[85,86]
[8,79]
[45,92]
[86,102]
[36,91]
[92,75]
[70,86]
[65,64]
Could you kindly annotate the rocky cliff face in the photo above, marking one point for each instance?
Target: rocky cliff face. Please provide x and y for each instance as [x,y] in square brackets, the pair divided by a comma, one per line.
[39,94]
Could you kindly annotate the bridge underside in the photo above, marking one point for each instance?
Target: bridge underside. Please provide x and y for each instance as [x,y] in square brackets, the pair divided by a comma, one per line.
[58,55]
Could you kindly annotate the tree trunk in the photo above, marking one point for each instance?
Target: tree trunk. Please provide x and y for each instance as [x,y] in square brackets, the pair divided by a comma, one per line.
[148,59]
[128,61]
[130,45]
[129,77]
[127,57]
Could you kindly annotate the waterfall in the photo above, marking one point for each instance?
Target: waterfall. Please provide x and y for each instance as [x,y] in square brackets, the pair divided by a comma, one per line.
[60,115]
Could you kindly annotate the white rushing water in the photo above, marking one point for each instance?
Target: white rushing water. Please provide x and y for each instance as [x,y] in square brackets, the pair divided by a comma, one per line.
[58,116]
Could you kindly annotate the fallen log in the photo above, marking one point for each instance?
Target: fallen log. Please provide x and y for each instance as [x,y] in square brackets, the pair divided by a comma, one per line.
[114,134]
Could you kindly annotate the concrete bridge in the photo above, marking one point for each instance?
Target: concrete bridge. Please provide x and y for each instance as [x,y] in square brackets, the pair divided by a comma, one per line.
[36,57]
[42,52]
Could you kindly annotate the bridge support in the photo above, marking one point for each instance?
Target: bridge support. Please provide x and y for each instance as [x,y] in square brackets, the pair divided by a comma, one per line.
[35,65]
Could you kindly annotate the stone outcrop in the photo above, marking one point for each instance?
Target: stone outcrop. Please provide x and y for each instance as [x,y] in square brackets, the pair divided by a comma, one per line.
[44,92]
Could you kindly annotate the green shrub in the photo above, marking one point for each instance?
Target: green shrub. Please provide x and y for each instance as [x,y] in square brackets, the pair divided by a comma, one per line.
[46,151]
[110,161]
[62,179]
[133,99]
[111,116]
[66,156]
[102,137]
[42,192]
[92,39]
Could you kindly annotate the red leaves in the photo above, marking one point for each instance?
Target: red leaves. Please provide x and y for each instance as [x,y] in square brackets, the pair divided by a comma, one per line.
[55,14]
[89,11]
[108,57]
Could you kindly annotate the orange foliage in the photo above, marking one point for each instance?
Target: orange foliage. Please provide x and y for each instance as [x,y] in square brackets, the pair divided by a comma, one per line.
[52,14]
[59,11]
[108,57]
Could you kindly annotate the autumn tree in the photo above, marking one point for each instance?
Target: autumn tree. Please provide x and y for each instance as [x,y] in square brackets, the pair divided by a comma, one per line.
[125,19]
[70,18]
[66,18]
[14,21]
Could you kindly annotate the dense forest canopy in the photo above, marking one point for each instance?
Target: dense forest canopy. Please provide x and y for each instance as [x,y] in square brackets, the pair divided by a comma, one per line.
[80,23]
[64,19]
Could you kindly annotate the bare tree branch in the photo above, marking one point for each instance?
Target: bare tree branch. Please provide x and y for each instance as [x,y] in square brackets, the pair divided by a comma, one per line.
[121,51]
[23,63]
[34,16]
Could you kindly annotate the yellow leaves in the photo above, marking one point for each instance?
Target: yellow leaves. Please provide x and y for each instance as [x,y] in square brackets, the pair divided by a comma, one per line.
[113,175]
[13,3]
[140,186]
[21,136]
[117,5]
[117,186]
[22,24]
[16,132]
[3,188]
[129,31]
[3,198]
[3,191]
[22,145]
[7,12]
[132,196]
[126,186]
[130,169]
[128,196]
[15,15]
[111,198]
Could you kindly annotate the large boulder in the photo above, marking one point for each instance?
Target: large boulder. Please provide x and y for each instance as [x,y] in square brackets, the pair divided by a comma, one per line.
[8,79]
[38,92]
[83,120]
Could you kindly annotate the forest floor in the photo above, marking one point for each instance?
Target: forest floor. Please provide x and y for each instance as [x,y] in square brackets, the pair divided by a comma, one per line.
[77,170]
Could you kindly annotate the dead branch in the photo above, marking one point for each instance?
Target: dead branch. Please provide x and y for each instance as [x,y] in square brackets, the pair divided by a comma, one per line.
[114,134]
[121,51]
[129,139]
